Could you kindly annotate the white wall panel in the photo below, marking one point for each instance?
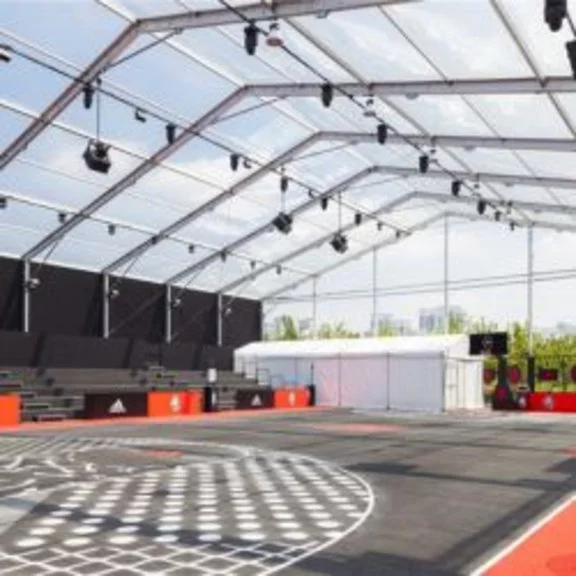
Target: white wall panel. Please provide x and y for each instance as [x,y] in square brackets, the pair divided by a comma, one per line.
[364,382]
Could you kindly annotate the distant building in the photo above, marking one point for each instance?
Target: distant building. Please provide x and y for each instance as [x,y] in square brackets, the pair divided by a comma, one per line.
[431,320]
[388,323]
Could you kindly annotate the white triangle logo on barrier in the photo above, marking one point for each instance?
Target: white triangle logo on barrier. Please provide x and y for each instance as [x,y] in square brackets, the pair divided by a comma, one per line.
[117,407]
[291,398]
[256,401]
[175,404]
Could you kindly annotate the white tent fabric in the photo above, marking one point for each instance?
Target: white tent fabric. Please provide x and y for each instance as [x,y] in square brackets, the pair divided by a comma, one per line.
[431,373]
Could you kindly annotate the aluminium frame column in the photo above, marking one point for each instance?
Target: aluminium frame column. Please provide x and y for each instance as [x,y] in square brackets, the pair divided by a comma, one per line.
[219,320]
[446,274]
[26,296]
[375,292]
[314,308]
[105,306]
[530,291]
[168,315]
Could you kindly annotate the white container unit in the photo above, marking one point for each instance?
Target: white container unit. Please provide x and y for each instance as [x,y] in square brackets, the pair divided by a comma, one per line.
[413,373]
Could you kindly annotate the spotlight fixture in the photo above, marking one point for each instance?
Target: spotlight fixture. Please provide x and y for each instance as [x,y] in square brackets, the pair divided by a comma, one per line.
[571,49]
[398,234]
[481,206]
[223,255]
[154,240]
[509,205]
[96,156]
[32,284]
[327,94]
[324,203]
[369,111]
[382,133]
[554,13]
[339,243]
[170,132]
[311,194]
[111,229]
[512,226]
[5,53]
[279,270]
[176,302]
[252,264]
[456,187]
[497,215]
[424,163]
[358,218]
[251,39]
[88,96]
[274,38]
[234,161]
[191,248]
[113,293]
[139,115]
[3,202]
[61,217]
[380,226]
[284,182]
[247,164]
[283,223]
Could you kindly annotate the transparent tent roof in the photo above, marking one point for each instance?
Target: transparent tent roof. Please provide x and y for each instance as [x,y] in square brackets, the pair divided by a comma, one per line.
[482,89]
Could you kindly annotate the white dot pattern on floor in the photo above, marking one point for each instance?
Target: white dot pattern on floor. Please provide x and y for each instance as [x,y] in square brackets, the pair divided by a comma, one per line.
[250,511]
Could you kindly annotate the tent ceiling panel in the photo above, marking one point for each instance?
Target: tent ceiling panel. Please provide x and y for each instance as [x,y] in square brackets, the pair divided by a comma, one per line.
[524,193]
[463,39]
[489,160]
[367,41]
[524,115]
[554,164]
[311,110]
[159,7]
[265,284]
[15,238]
[11,125]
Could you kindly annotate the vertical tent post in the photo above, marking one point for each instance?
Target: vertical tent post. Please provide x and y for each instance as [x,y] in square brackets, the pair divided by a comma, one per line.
[314,308]
[446,274]
[168,321]
[220,314]
[26,297]
[105,306]
[375,293]
[531,365]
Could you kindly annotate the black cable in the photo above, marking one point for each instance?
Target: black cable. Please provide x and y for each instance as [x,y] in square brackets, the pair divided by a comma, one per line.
[141,50]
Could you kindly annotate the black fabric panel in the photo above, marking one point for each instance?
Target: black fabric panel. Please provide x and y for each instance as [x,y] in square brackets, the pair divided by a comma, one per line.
[180,355]
[195,319]
[10,294]
[138,312]
[241,322]
[215,357]
[66,302]
[18,349]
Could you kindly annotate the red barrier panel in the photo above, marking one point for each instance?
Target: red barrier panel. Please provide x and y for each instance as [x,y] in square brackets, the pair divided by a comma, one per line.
[292,398]
[550,402]
[9,410]
[162,404]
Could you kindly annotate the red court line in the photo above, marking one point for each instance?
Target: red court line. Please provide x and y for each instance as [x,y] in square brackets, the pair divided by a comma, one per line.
[207,416]
[548,549]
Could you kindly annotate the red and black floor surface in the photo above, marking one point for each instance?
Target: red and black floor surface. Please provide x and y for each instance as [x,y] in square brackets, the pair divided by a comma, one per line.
[304,493]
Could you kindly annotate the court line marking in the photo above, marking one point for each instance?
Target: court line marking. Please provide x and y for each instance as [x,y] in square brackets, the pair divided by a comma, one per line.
[534,528]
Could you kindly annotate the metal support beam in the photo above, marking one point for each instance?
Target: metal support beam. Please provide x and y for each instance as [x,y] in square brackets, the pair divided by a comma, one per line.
[446,275]
[168,315]
[314,307]
[143,169]
[483,177]
[559,84]
[355,256]
[102,61]
[232,247]
[26,296]
[105,306]
[257,11]
[530,291]
[388,207]
[375,292]
[219,320]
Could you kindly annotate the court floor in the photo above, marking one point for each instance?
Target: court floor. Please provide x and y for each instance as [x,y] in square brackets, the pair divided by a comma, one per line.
[307,493]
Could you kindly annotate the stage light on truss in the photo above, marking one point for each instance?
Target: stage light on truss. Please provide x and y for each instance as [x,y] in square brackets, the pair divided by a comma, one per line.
[32,284]
[497,215]
[382,133]
[111,229]
[191,248]
[283,223]
[324,203]
[176,302]
[5,53]
[247,163]
[512,226]
[369,110]
[456,187]
[113,293]
[481,206]
[274,38]
[284,183]
[251,39]
[61,217]
[88,96]
[554,13]
[571,50]
[339,243]
[234,161]
[509,206]
[3,202]
[223,255]
[96,156]
[170,132]
[139,115]
[279,270]
[424,163]
[358,218]
[327,94]
[252,264]
[380,226]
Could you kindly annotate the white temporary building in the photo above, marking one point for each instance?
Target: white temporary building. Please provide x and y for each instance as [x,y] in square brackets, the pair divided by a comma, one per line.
[415,373]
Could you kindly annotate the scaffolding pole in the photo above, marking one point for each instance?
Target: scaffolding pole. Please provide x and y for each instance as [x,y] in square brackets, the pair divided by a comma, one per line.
[105,306]
[375,293]
[26,297]
[530,292]
[314,308]
[220,313]
[168,318]
[446,274]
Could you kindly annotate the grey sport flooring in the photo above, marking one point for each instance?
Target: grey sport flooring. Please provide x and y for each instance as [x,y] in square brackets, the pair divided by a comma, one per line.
[318,493]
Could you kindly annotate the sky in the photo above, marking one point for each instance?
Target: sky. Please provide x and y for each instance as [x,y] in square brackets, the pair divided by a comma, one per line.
[184,77]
